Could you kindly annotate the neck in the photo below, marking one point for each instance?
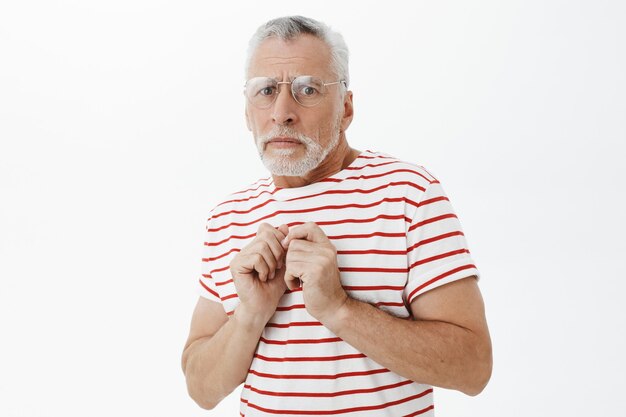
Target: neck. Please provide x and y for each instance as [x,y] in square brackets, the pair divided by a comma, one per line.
[338,159]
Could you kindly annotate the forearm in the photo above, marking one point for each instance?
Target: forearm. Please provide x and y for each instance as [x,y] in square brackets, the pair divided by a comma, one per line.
[431,352]
[215,366]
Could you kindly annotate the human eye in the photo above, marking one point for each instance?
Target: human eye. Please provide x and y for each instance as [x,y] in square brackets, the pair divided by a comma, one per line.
[266,91]
[308,86]
[260,87]
[308,90]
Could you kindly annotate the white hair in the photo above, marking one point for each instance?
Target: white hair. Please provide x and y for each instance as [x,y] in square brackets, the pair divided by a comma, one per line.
[281,163]
[290,27]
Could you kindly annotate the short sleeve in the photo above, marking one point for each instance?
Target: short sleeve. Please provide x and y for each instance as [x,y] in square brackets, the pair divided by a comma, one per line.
[437,251]
[206,283]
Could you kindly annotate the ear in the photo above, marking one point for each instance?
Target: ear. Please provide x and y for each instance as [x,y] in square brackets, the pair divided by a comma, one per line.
[348,111]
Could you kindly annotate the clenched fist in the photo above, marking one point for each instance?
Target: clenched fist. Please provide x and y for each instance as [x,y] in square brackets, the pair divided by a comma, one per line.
[311,261]
[258,272]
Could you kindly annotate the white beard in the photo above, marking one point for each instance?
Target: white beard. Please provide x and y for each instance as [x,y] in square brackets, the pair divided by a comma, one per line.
[283,163]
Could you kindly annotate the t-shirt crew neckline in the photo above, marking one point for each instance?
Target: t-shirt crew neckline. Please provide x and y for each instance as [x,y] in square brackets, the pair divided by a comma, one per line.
[283,194]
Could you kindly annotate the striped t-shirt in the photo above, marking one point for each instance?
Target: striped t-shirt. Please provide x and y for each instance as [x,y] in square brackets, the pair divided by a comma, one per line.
[396,236]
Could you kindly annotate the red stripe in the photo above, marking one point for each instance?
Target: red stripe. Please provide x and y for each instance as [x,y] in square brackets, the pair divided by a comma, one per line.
[310,358]
[429,173]
[229,238]
[388,173]
[382,216]
[221,255]
[322,223]
[434,239]
[223,282]
[438,277]
[432,200]
[329,394]
[331,376]
[309,210]
[251,209]
[214,271]
[300,341]
[422,411]
[241,200]
[228,297]
[389,270]
[256,188]
[361,191]
[342,410]
[294,324]
[376,156]
[330,179]
[371,165]
[373,288]
[208,289]
[290,307]
[432,220]
[441,256]
[363,236]
[389,304]
[371,252]
[324,193]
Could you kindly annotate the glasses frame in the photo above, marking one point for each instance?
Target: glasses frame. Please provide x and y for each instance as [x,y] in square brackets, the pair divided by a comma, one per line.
[293,94]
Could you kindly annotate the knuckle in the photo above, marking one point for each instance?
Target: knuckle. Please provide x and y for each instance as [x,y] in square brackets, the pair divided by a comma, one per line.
[265,228]
[264,235]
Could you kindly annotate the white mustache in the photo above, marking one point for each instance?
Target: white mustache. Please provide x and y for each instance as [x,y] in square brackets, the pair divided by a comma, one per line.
[282,131]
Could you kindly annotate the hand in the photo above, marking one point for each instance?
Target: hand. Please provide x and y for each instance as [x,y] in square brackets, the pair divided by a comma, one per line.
[312,261]
[258,272]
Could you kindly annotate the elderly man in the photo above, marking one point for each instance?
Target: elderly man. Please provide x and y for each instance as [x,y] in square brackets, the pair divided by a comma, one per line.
[343,283]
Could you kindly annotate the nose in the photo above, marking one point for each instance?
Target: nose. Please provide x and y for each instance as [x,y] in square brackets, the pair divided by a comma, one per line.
[284,109]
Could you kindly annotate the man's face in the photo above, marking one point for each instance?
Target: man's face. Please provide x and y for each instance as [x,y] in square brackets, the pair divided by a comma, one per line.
[291,139]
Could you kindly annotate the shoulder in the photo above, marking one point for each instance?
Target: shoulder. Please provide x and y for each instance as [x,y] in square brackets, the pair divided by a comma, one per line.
[247,193]
[396,168]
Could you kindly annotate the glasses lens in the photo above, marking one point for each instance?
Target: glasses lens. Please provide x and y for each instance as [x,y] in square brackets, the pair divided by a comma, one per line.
[261,91]
[307,90]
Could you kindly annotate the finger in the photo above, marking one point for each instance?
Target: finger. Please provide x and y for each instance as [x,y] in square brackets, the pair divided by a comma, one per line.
[279,231]
[262,248]
[284,229]
[255,261]
[292,279]
[307,231]
[273,236]
[300,245]
[306,257]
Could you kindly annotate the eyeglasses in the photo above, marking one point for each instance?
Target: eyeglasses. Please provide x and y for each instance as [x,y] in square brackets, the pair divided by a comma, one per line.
[305,89]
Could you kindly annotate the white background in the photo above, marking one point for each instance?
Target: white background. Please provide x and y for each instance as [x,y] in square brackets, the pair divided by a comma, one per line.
[121,125]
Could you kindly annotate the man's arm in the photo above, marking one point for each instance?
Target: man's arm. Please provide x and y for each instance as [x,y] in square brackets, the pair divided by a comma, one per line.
[219,350]
[446,345]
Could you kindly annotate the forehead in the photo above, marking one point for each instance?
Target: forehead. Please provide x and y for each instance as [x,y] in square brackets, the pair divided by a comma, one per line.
[304,55]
